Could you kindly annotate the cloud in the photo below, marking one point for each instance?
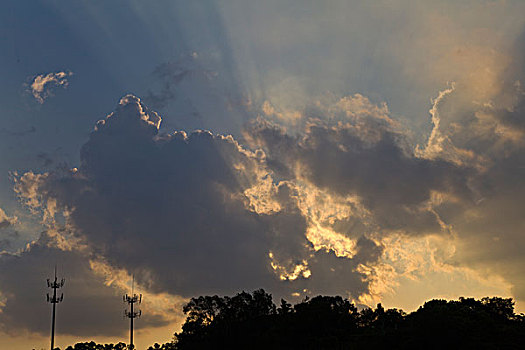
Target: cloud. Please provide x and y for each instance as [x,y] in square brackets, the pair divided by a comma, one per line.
[478,124]
[417,269]
[19,133]
[491,230]
[356,149]
[6,221]
[173,73]
[42,85]
[183,212]
[314,203]
[7,231]
[314,206]
[90,306]
[45,159]
[192,94]
[465,187]
[286,212]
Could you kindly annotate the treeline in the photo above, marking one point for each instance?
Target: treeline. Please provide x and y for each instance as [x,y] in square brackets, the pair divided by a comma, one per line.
[253,321]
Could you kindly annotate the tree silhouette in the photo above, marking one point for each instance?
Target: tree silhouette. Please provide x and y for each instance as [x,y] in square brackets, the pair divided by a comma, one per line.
[332,322]
[252,321]
[94,346]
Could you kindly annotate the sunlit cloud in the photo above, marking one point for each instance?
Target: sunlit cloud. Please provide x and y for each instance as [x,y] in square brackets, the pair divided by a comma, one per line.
[5,220]
[42,85]
[369,149]
[414,270]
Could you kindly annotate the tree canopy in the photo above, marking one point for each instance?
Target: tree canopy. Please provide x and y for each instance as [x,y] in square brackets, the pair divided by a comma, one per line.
[253,321]
[94,346]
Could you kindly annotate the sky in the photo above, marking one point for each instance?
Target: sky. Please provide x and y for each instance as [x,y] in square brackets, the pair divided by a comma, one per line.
[369,149]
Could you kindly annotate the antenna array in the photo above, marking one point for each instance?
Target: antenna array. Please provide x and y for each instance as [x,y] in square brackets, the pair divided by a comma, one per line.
[56,284]
[131,300]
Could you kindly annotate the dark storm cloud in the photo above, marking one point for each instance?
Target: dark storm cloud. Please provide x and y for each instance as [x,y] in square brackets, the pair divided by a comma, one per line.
[90,307]
[172,209]
[367,157]
[475,162]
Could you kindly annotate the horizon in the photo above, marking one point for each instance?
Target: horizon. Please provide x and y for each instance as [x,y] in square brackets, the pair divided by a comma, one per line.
[144,343]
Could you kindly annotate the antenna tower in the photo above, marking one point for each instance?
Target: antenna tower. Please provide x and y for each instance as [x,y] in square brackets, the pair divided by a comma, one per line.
[131,314]
[54,300]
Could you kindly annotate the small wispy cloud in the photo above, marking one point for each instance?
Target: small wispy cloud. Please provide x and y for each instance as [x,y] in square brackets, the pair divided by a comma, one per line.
[42,85]
[19,132]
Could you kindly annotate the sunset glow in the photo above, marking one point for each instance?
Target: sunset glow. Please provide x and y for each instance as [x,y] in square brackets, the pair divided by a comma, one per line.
[369,149]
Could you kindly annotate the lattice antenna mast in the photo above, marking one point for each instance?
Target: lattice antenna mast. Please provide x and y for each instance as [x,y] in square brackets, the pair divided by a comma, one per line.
[56,284]
[132,314]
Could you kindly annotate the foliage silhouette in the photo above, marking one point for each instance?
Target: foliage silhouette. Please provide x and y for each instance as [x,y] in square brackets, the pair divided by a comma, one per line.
[252,321]
[330,322]
[94,346]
